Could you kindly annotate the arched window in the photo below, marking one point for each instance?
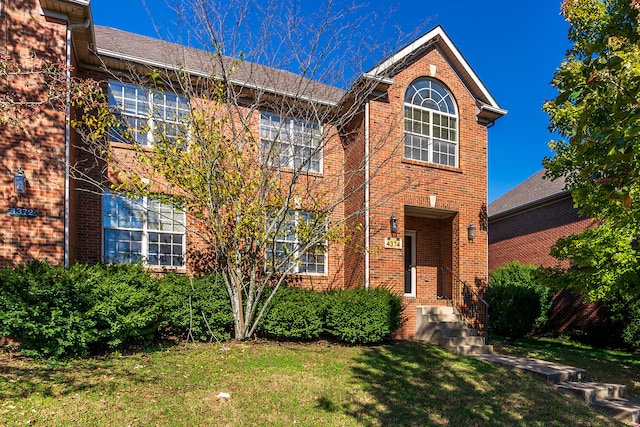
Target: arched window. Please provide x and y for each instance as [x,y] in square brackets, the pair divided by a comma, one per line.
[430,123]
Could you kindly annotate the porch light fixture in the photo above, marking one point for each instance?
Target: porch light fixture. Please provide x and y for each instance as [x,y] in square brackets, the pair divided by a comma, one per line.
[471,232]
[20,182]
[393,222]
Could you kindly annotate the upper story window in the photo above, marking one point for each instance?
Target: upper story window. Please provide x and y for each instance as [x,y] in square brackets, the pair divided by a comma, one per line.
[142,229]
[147,114]
[430,124]
[290,143]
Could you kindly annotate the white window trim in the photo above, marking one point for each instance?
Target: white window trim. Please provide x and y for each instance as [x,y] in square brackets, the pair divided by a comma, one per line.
[150,119]
[431,139]
[414,274]
[296,258]
[145,234]
[288,125]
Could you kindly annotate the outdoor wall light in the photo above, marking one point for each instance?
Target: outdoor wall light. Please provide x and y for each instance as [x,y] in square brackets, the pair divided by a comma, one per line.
[471,232]
[20,182]
[393,222]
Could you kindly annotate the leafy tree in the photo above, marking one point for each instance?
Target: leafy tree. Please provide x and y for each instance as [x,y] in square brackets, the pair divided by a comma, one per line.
[598,109]
[243,206]
[605,261]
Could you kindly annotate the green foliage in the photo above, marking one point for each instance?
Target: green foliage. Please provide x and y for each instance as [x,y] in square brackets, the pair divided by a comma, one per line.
[626,310]
[597,109]
[361,316]
[296,314]
[196,308]
[520,301]
[46,308]
[125,304]
[56,312]
[605,261]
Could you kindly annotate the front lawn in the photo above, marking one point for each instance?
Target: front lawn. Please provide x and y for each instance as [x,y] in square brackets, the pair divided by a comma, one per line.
[281,384]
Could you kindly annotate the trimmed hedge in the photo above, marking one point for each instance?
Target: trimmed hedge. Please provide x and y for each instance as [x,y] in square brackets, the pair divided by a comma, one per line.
[520,301]
[295,314]
[360,316]
[57,313]
[196,309]
[353,316]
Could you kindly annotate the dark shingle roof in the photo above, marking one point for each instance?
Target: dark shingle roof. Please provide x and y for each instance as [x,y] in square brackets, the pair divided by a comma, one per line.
[533,190]
[122,45]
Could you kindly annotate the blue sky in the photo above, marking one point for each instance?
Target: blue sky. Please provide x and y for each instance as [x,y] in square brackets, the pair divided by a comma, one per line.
[513,46]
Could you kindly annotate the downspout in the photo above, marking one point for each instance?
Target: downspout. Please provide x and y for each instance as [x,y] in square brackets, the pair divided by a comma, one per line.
[366,196]
[67,141]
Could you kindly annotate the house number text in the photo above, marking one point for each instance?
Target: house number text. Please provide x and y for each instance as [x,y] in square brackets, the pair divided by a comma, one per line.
[392,243]
[23,212]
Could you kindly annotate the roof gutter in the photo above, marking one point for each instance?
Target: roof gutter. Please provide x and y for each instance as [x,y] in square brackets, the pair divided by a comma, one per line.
[143,61]
[529,206]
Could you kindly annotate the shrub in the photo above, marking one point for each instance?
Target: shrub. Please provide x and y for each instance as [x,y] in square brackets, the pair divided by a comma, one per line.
[361,316]
[196,308]
[294,313]
[520,300]
[45,308]
[625,311]
[125,304]
[56,312]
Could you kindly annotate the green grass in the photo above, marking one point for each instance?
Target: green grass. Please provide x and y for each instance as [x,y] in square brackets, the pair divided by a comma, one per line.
[602,364]
[319,384]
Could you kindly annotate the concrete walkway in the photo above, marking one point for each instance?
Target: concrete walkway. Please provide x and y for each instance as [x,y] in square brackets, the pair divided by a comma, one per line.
[607,397]
[549,372]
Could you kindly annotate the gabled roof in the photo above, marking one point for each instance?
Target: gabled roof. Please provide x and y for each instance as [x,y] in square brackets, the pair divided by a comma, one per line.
[489,110]
[534,191]
[116,48]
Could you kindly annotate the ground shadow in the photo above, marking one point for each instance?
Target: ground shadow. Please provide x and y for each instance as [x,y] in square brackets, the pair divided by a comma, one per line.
[422,385]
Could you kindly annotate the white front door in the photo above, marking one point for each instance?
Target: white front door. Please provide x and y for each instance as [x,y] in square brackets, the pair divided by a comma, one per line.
[409,263]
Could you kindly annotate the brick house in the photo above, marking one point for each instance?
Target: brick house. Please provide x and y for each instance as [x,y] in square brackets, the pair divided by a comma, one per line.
[528,220]
[418,222]
[524,224]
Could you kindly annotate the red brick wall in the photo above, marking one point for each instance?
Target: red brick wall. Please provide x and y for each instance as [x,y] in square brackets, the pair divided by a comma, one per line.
[39,148]
[398,183]
[529,236]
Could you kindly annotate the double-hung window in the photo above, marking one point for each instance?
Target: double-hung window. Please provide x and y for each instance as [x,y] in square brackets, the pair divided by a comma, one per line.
[430,124]
[290,143]
[294,249]
[142,229]
[147,115]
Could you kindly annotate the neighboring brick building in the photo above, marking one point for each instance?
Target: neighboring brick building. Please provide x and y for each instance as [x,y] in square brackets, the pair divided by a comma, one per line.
[523,226]
[528,220]
[429,185]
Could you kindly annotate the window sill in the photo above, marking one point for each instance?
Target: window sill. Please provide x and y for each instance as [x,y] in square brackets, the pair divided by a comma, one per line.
[298,171]
[159,269]
[127,146]
[301,275]
[430,165]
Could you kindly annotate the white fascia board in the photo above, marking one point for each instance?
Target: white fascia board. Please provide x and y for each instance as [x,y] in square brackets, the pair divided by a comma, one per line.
[494,109]
[143,61]
[417,44]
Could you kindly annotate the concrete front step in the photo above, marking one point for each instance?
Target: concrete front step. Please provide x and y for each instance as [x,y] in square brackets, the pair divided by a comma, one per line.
[449,317]
[606,397]
[435,309]
[436,335]
[468,350]
[623,410]
[549,372]
[440,325]
[591,391]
